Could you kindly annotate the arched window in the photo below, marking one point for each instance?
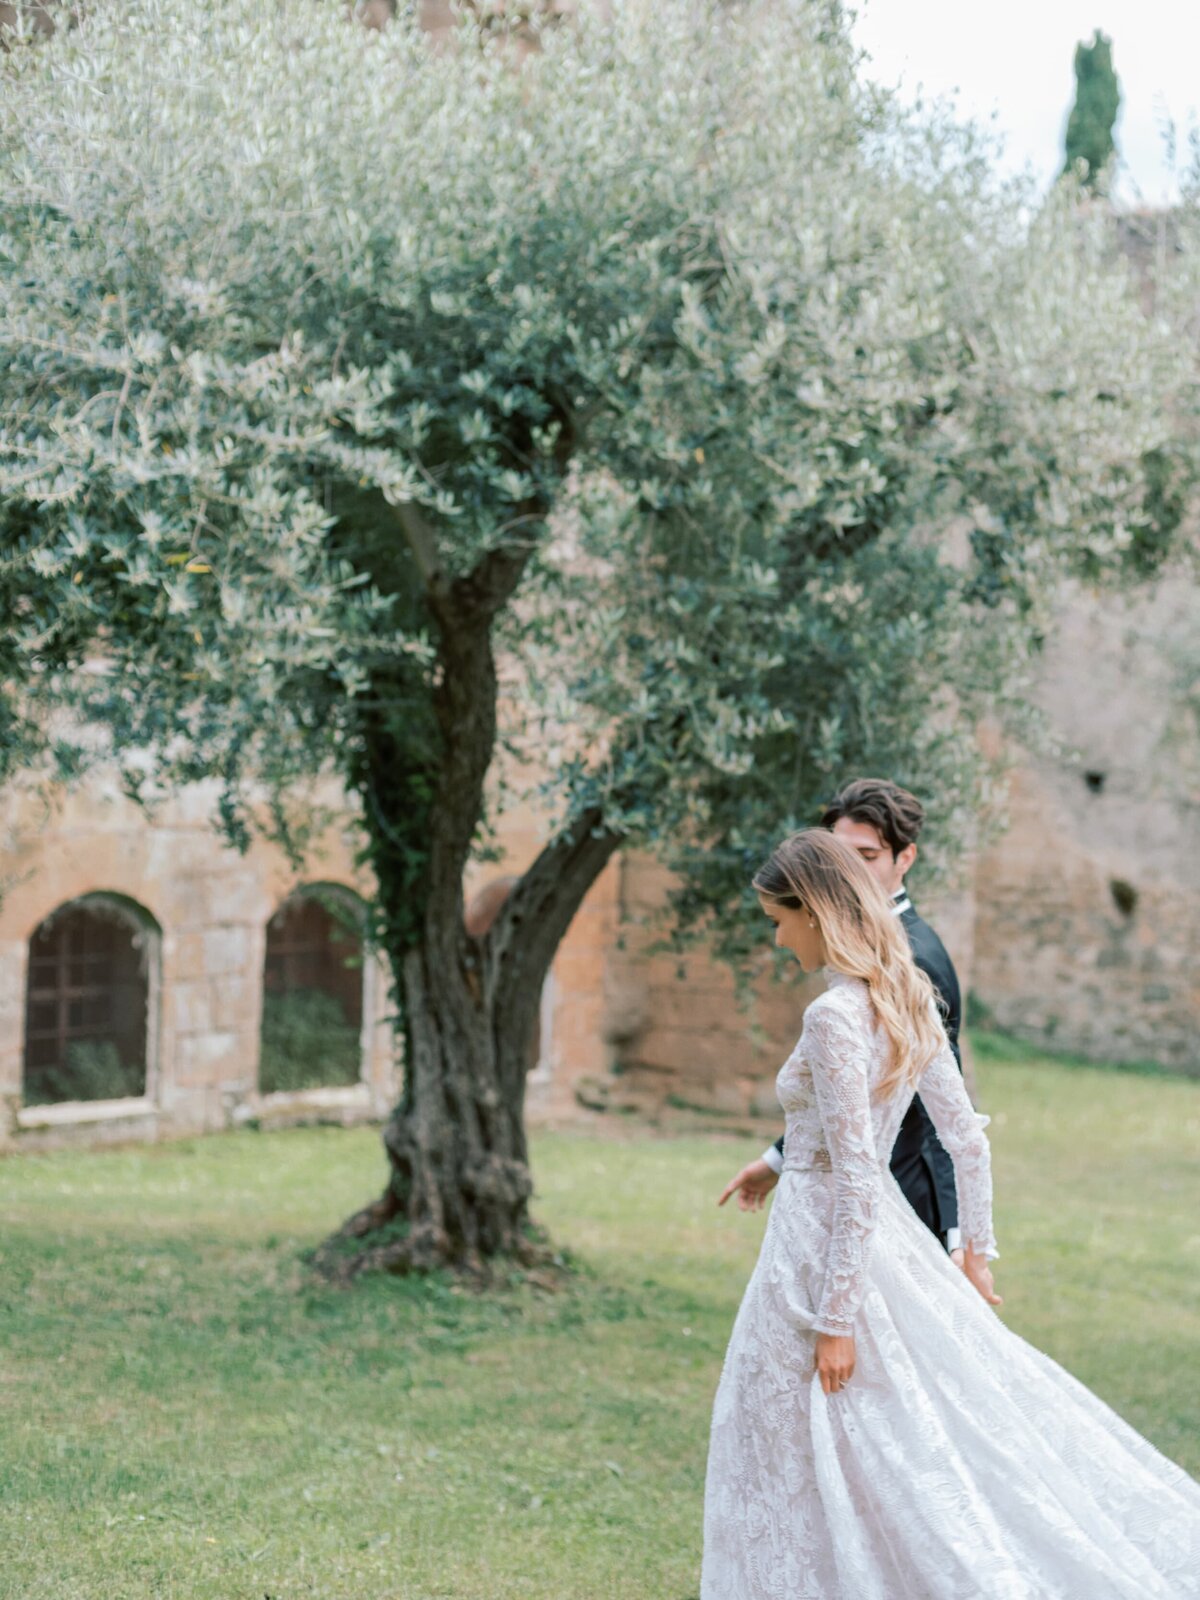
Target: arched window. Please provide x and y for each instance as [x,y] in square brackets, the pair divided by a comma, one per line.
[89,1024]
[313,992]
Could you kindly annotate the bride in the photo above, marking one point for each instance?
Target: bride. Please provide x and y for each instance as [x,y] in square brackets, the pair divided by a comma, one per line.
[878,1433]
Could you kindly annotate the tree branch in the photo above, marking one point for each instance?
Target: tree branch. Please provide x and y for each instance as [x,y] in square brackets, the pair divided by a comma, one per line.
[419,537]
[533,920]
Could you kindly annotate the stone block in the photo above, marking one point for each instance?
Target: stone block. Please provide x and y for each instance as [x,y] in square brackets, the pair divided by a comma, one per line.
[219,897]
[711,1054]
[183,956]
[190,1008]
[173,856]
[728,1097]
[216,1057]
[237,1003]
[230,949]
[12,1013]
[625,1006]
[12,1066]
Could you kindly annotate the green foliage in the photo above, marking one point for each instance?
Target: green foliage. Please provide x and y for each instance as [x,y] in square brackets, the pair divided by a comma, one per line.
[209,1422]
[1089,139]
[93,1071]
[789,418]
[307,1043]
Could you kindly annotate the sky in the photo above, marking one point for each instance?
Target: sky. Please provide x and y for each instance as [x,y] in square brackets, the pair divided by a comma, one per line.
[1013,66]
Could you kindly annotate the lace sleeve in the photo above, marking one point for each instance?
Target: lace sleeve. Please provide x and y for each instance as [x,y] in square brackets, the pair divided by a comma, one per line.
[960,1128]
[838,1054]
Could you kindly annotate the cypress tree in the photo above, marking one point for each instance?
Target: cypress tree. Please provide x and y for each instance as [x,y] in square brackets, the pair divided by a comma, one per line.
[1089,137]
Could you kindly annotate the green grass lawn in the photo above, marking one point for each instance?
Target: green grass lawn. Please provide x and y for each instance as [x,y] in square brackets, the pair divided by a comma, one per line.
[187,1416]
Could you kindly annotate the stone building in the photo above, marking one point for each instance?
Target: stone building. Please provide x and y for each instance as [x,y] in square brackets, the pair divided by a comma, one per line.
[154,981]
[1077,929]
[1087,919]
[146,973]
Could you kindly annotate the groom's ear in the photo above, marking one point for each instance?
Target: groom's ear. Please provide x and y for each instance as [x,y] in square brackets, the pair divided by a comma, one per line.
[906,858]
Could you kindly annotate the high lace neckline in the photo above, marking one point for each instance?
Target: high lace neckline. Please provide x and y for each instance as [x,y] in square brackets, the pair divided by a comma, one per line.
[834,979]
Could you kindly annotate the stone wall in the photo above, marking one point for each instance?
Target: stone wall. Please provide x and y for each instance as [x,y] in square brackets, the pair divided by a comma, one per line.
[1088,909]
[678,1031]
[1080,930]
[209,907]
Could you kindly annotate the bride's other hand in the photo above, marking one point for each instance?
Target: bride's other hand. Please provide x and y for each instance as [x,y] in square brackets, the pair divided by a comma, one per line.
[752,1186]
[977,1272]
[835,1361]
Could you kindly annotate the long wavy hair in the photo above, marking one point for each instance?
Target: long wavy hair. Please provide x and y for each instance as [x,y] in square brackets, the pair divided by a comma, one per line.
[815,872]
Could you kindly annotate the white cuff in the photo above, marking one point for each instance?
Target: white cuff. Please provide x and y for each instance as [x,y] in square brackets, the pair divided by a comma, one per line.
[953,1239]
[774,1160]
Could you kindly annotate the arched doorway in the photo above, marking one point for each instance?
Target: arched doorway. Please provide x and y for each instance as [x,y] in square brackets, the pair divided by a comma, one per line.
[90,1002]
[313,977]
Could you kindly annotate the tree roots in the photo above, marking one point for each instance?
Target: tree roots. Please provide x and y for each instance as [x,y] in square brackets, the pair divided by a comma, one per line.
[380,1239]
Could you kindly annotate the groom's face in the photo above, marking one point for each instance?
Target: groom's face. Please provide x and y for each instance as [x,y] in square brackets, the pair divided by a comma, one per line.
[875,852]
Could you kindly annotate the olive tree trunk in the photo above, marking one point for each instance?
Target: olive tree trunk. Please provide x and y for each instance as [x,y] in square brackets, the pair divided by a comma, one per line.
[459,1181]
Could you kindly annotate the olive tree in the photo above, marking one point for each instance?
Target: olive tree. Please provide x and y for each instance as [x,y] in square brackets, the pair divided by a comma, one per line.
[731,410]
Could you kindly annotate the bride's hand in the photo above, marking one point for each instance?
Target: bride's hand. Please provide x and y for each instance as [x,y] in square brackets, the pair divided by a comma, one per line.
[835,1361]
[752,1186]
[977,1272]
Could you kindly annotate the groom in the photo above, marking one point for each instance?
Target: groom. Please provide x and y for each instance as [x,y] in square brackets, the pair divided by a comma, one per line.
[881,822]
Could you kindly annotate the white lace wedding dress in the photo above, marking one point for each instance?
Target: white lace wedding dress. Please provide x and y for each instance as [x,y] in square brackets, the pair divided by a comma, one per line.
[959,1463]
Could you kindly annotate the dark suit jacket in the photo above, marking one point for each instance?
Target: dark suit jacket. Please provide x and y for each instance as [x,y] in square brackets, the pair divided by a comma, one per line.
[920,1162]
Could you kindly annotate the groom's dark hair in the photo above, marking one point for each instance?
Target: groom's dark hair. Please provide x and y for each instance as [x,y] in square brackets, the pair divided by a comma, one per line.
[895,814]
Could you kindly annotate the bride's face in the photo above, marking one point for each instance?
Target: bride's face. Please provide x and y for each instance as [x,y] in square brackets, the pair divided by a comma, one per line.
[796,930]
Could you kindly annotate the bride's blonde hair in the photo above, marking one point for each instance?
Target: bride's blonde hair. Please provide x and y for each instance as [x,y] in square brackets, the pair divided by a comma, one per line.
[863,937]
